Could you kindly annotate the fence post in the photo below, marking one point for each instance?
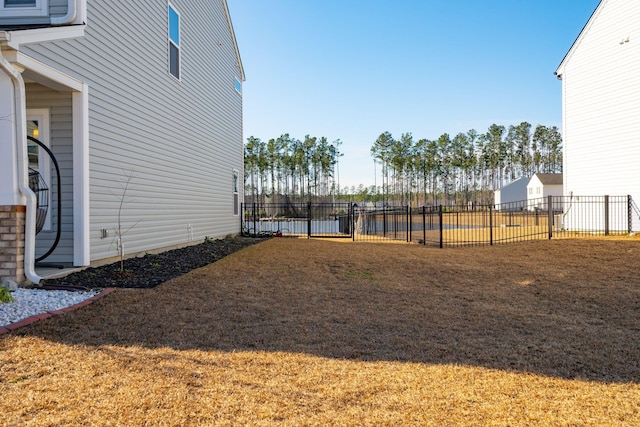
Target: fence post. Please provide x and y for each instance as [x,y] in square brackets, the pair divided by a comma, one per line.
[629,217]
[384,221]
[550,215]
[440,220]
[255,225]
[424,225]
[491,225]
[352,222]
[308,220]
[409,222]
[606,215]
[242,218]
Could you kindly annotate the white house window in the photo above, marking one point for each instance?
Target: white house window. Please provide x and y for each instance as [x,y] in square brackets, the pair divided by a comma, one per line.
[20,3]
[24,8]
[238,84]
[236,198]
[174,42]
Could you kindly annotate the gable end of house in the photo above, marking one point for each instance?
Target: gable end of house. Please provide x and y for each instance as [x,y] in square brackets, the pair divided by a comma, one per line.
[560,70]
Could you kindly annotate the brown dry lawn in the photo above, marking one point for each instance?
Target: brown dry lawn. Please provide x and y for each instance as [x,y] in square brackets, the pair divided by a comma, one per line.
[307,332]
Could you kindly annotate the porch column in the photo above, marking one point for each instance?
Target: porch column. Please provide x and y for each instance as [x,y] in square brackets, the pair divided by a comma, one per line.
[12,203]
[9,193]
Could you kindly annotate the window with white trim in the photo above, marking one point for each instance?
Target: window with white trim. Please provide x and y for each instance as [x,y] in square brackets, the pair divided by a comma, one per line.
[19,8]
[236,195]
[24,8]
[173,36]
[238,85]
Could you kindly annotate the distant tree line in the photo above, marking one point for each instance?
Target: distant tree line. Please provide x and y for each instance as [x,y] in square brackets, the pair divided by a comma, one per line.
[462,170]
[286,168]
[466,168]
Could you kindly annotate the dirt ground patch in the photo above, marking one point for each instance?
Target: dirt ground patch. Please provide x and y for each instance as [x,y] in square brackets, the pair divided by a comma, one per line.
[308,332]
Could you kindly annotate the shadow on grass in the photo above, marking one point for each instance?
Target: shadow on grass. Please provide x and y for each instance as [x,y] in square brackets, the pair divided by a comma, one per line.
[333,308]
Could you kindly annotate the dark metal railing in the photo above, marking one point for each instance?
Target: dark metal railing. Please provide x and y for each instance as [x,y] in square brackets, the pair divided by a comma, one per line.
[454,225]
[297,219]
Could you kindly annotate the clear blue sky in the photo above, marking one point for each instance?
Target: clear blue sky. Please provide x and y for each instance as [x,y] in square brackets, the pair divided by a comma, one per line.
[352,69]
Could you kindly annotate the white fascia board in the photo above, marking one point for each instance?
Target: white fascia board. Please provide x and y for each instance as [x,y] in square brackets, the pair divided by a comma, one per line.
[43,73]
[235,42]
[560,70]
[40,35]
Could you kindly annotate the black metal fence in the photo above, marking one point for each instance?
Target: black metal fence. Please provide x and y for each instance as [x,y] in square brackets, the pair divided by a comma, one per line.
[298,219]
[454,225]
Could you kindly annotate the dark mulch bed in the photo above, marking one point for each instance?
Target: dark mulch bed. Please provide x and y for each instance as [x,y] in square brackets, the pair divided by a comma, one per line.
[152,269]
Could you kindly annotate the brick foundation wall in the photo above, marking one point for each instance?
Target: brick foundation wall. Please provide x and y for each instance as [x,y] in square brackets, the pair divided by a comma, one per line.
[12,222]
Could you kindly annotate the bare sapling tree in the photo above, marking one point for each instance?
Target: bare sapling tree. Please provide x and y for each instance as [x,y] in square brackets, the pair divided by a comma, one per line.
[125,185]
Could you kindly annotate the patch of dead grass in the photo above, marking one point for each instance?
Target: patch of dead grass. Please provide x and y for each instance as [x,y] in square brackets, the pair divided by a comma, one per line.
[306,332]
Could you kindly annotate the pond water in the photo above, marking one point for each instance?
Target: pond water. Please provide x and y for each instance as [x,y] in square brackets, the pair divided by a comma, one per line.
[340,226]
[296,226]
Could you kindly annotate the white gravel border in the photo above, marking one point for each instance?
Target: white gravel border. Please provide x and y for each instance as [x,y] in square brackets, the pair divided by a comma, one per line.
[29,302]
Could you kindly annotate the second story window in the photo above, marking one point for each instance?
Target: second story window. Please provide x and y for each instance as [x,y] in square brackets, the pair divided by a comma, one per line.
[174,42]
[20,3]
[24,7]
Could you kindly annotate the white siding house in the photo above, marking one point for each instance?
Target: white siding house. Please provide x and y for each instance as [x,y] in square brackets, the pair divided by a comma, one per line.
[512,196]
[142,95]
[540,187]
[601,104]
[529,193]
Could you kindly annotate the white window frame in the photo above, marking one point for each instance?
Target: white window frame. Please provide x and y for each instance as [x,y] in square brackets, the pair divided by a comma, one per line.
[238,85]
[44,162]
[171,42]
[40,9]
[235,184]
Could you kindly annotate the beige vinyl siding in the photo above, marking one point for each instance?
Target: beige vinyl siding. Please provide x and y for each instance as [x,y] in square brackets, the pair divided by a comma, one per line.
[59,106]
[181,140]
[601,84]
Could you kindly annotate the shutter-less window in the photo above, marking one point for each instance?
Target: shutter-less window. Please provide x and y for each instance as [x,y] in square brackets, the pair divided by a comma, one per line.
[174,42]
[19,3]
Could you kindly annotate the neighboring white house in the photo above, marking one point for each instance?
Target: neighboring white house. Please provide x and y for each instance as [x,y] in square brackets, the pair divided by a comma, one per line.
[540,187]
[601,106]
[145,91]
[512,196]
[529,193]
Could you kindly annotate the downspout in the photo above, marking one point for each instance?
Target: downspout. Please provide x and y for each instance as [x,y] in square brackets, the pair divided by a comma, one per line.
[23,186]
[69,17]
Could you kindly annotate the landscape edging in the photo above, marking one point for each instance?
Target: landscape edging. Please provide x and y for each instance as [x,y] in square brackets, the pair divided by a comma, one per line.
[36,317]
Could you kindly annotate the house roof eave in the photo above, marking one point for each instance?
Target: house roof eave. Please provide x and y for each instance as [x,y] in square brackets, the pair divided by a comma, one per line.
[17,37]
[235,42]
[560,70]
